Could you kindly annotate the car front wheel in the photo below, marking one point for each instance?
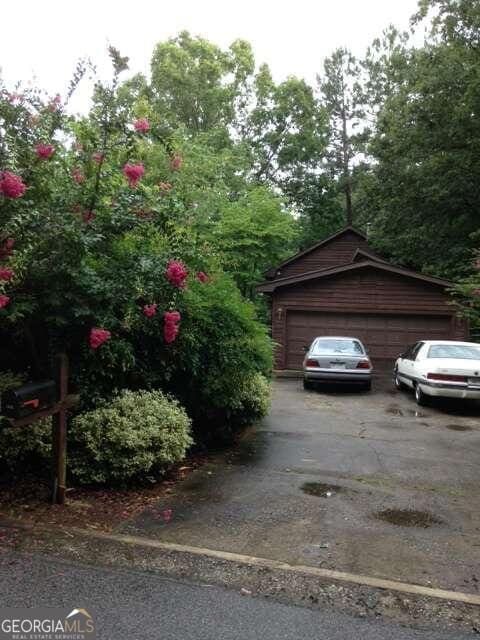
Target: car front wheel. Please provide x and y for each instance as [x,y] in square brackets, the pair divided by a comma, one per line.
[421,398]
[398,383]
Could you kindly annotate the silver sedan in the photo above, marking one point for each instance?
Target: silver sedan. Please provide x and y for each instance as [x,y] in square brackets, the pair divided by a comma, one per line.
[337,359]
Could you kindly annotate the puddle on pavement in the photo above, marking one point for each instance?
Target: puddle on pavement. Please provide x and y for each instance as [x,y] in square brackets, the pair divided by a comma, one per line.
[320,489]
[458,427]
[411,413]
[408,518]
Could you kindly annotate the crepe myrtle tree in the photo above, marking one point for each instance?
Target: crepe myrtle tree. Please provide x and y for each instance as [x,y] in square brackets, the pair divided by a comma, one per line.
[87,253]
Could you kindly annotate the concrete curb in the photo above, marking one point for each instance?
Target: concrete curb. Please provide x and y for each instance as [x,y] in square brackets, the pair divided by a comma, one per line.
[324,574]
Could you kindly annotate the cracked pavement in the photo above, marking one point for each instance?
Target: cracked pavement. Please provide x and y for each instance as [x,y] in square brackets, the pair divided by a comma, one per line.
[376,452]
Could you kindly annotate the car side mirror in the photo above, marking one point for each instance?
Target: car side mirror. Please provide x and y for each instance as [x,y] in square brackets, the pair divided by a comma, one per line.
[305,348]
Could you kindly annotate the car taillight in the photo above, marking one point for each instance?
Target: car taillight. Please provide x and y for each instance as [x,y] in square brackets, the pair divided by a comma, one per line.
[446,377]
[363,364]
[311,363]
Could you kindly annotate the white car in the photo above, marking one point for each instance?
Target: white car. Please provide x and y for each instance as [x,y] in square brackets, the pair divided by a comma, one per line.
[440,368]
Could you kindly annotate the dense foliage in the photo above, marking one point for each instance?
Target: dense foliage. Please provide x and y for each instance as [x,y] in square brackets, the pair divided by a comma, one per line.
[131,236]
[106,251]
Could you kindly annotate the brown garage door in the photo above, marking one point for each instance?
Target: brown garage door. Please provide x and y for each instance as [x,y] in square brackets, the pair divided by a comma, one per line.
[385,336]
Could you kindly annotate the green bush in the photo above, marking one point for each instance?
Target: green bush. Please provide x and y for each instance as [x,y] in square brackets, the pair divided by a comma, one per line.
[27,448]
[135,435]
[221,350]
[253,399]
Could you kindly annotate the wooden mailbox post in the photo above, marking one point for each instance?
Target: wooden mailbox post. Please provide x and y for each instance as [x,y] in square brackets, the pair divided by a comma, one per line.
[58,412]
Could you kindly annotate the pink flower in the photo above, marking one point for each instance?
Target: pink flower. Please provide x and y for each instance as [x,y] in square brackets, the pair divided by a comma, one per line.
[88,216]
[170,325]
[165,186]
[202,277]
[44,151]
[176,162]
[98,156]
[133,173]
[150,310]
[4,300]
[11,185]
[167,515]
[142,125]
[98,337]
[6,274]
[176,273]
[172,317]
[77,175]
[477,263]
[15,98]
[7,248]
[55,103]
[476,292]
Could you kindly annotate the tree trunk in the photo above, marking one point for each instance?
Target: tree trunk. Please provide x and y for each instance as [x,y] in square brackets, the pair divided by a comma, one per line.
[347,185]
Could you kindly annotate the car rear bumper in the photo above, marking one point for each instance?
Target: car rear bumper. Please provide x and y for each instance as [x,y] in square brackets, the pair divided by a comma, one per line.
[348,376]
[449,391]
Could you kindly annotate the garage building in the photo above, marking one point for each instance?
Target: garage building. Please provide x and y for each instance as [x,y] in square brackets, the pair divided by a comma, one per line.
[340,286]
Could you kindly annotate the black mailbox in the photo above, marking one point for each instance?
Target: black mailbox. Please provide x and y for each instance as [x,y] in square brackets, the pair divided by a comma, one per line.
[29,398]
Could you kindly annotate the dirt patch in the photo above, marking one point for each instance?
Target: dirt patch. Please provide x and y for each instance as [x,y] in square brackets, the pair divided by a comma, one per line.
[458,427]
[408,518]
[28,498]
[320,489]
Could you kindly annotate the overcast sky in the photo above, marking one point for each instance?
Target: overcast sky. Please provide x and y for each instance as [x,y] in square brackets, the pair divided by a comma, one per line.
[44,38]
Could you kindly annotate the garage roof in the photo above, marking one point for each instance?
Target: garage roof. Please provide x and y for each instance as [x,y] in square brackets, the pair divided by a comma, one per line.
[273,270]
[270,285]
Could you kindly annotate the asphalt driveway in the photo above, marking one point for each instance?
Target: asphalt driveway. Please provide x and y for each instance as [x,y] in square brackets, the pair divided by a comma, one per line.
[326,479]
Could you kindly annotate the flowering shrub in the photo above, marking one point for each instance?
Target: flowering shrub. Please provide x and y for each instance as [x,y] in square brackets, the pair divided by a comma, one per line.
[6,274]
[171,320]
[176,273]
[150,310]
[133,173]
[4,300]
[44,151]
[11,185]
[90,239]
[142,125]
[98,337]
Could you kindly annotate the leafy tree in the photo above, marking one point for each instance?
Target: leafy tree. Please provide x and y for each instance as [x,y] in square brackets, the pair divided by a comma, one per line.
[197,85]
[253,233]
[421,196]
[343,99]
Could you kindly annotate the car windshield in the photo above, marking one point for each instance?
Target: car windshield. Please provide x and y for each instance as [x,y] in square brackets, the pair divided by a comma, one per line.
[458,351]
[350,347]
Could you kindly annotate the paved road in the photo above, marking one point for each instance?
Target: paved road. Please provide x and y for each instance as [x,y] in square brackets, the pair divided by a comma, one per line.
[136,605]
[370,452]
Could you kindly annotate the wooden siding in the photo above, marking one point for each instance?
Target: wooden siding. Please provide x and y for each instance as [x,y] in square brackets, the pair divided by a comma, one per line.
[336,252]
[369,292]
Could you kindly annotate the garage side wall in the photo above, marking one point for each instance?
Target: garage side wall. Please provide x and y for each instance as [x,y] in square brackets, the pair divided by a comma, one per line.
[415,309]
